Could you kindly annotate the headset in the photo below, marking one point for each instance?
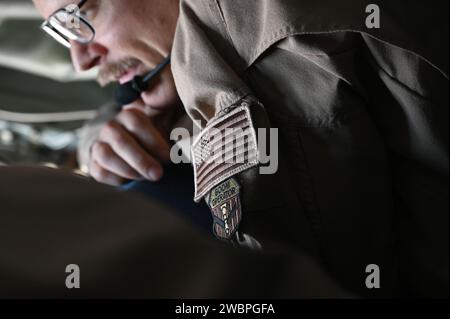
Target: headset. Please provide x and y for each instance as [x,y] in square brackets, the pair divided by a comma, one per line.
[129,92]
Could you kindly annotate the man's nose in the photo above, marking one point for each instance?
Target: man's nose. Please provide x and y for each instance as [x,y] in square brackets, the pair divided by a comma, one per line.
[87,56]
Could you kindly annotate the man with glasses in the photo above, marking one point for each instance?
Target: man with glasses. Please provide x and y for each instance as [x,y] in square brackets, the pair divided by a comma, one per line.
[361,108]
[133,144]
[111,36]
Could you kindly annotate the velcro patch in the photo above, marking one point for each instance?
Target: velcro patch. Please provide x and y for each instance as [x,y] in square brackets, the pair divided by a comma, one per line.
[225,204]
[226,147]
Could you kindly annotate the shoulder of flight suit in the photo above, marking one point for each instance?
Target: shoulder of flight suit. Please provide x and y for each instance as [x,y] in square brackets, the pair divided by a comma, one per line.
[217,40]
[204,62]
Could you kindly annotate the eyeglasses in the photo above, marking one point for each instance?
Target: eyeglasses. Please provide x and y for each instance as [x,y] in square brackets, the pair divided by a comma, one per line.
[67,24]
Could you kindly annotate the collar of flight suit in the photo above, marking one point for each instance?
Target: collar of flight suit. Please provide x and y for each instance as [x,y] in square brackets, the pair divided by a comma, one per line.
[253,26]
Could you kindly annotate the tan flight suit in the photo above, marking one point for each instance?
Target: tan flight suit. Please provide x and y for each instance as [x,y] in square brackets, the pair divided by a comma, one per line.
[363,129]
[363,173]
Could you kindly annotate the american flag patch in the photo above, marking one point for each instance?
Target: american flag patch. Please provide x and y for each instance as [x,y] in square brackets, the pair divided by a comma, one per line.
[226,147]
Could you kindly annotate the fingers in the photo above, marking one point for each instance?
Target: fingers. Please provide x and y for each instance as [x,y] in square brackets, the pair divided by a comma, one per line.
[140,106]
[145,132]
[103,176]
[128,149]
[104,156]
[162,119]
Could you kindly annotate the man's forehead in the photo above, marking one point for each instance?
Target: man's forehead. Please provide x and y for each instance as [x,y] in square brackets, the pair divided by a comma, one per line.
[47,7]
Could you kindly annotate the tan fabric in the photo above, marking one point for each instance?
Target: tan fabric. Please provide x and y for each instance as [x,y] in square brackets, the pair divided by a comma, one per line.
[363,120]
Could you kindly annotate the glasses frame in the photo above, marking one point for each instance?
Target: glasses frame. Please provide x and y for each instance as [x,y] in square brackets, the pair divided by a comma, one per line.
[60,33]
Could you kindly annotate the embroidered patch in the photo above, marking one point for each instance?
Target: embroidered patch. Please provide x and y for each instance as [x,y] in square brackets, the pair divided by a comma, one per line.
[226,147]
[225,204]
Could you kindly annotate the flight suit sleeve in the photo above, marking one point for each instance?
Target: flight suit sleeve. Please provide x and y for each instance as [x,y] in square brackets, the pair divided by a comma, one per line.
[209,77]
[206,82]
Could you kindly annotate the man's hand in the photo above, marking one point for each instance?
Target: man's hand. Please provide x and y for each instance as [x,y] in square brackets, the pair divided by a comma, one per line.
[131,147]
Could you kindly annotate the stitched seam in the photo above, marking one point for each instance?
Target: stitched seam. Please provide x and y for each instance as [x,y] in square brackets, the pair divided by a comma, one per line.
[232,97]
[218,18]
[224,23]
[400,83]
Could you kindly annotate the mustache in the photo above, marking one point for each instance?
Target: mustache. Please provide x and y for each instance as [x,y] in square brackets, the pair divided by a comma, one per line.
[110,72]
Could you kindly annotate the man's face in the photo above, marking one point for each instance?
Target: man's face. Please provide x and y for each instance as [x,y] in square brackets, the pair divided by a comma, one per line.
[132,37]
